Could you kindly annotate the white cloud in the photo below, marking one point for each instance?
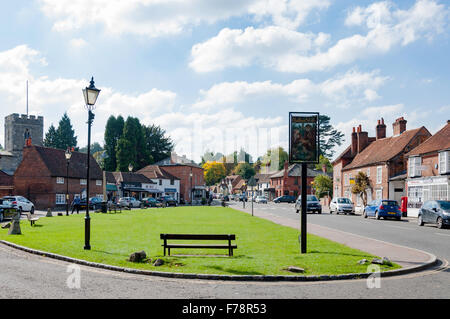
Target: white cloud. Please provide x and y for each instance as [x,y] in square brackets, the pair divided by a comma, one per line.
[278,48]
[78,43]
[156,18]
[340,91]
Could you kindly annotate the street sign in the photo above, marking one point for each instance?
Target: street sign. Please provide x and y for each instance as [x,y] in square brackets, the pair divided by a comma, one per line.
[303,137]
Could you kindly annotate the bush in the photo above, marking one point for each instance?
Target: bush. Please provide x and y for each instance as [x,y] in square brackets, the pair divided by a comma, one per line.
[203,201]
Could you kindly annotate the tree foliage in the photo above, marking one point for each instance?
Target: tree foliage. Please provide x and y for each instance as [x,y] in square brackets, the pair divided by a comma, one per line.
[329,137]
[323,185]
[214,172]
[245,170]
[362,184]
[113,132]
[62,137]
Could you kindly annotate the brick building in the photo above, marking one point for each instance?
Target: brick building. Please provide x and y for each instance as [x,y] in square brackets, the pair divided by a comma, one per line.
[192,181]
[381,158]
[288,181]
[42,177]
[6,184]
[429,171]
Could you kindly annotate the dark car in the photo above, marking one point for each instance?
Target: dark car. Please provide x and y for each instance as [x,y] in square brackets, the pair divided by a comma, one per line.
[435,212]
[284,199]
[151,202]
[242,198]
[94,203]
[312,204]
[168,200]
[385,208]
[7,210]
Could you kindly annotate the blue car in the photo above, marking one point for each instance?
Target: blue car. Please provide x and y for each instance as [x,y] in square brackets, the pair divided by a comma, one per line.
[385,208]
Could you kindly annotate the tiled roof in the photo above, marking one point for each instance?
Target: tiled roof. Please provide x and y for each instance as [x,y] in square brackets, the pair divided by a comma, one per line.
[131,177]
[437,142]
[384,149]
[154,172]
[56,162]
[263,178]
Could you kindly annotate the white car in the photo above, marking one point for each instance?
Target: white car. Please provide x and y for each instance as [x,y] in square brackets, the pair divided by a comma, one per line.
[342,205]
[20,202]
[261,199]
[129,202]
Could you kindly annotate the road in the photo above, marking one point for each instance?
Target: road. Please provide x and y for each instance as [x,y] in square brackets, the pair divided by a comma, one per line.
[28,276]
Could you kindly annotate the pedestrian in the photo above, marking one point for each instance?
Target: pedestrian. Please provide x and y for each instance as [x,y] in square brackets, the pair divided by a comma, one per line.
[76,204]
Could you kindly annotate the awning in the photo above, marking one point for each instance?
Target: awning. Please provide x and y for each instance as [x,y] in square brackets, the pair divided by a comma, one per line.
[110,187]
[136,189]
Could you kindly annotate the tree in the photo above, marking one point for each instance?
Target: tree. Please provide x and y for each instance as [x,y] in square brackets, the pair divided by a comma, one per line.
[324,161]
[329,136]
[127,145]
[245,170]
[113,132]
[362,183]
[275,158]
[157,143]
[214,172]
[323,185]
[96,147]
[50,137]
[66,134]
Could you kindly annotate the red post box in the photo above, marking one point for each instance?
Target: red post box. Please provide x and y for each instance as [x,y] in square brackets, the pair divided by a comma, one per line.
[404,206]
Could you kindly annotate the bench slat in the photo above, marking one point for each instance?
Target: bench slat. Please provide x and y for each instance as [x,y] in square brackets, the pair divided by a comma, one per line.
[199,236]
[199,246]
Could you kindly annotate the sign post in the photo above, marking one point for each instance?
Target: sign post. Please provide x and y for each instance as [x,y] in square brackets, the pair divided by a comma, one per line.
[304,150]
[252,184]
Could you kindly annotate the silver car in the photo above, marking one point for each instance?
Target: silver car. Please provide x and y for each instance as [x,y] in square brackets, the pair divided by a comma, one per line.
[129,202]
[342,205]
[20,202]
[261,199]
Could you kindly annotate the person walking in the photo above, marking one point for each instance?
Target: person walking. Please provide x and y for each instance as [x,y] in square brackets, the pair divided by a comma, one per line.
[76,204]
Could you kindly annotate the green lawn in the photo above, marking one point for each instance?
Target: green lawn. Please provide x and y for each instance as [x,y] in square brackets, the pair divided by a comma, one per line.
[264,248]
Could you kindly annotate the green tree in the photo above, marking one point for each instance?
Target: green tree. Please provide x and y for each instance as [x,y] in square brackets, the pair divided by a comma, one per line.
[323,186]
[113,132]
[50,137]
[324,161]
[157,143]
[329,136]
[245,170]
[362,184]
[275,158]
[65,134]
[131,146]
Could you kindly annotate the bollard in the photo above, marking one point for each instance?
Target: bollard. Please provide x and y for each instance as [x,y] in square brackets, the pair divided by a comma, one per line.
[15,225]
[49,213]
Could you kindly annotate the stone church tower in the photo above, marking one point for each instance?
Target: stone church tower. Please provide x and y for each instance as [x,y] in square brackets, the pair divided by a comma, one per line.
[18,128]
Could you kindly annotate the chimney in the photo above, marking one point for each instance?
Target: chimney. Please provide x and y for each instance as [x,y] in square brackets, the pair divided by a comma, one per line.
[324,168]
[354,143]
[363,139]
[399,126]
[381,129]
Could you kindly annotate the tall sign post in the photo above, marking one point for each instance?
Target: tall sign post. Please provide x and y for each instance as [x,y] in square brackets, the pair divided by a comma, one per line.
[252,184]
[304,150]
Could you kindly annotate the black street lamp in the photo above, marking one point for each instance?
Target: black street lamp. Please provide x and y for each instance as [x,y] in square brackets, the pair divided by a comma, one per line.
[90,97]
[68,155]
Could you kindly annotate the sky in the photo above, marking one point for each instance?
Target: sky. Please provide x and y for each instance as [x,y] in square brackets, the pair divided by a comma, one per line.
[223,75]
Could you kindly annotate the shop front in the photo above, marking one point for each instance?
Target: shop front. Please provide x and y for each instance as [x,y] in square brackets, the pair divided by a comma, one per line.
[133,189]
[423,189]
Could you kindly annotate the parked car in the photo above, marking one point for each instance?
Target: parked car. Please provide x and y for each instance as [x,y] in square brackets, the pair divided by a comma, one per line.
[129,202]
[284,199]
[312,204]
[20,202]
[435,212]
[261,199]
[169,200]
[242,198]
[94,203]
[342,205]
[7,210]
[151,202]
[385,208]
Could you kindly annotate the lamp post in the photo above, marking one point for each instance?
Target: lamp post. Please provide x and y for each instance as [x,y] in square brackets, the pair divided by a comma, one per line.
[90,97]
[190,177]
[130,167]
[68,155]
[243,197]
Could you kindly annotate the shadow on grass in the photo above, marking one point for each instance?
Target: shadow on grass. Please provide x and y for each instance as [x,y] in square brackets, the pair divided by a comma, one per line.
[336,253]
[235,272]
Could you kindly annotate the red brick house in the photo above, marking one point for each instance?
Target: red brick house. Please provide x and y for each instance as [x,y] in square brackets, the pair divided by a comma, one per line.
[192,181]
[381,158]
[42,177]
[288,181]
[6,184]
[429,171]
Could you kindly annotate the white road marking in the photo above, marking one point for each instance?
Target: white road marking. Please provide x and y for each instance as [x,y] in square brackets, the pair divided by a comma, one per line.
[443,234]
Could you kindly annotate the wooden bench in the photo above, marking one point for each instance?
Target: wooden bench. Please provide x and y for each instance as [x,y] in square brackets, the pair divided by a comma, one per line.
[205,237]
[32,220]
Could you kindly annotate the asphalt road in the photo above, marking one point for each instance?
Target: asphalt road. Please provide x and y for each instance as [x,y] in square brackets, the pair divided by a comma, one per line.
[28,276]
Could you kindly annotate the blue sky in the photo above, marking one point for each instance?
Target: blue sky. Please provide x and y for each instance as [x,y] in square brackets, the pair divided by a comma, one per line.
[220,75]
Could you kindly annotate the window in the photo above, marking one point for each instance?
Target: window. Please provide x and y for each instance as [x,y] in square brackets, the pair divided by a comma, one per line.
[99,196]
[60,199]
[60,180]
[83,182]
[160,182]
[345,179]
[98,182]
[379,194]
[379,174]
[444,162]
[414,166]
[172,181]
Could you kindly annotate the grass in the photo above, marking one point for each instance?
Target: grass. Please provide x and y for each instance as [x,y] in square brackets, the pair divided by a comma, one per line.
[264,248]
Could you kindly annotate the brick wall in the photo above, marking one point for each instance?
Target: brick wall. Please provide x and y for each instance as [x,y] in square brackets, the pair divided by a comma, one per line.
[183,173]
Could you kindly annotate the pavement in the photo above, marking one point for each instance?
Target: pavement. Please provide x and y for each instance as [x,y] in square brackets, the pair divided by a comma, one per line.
[408,258]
